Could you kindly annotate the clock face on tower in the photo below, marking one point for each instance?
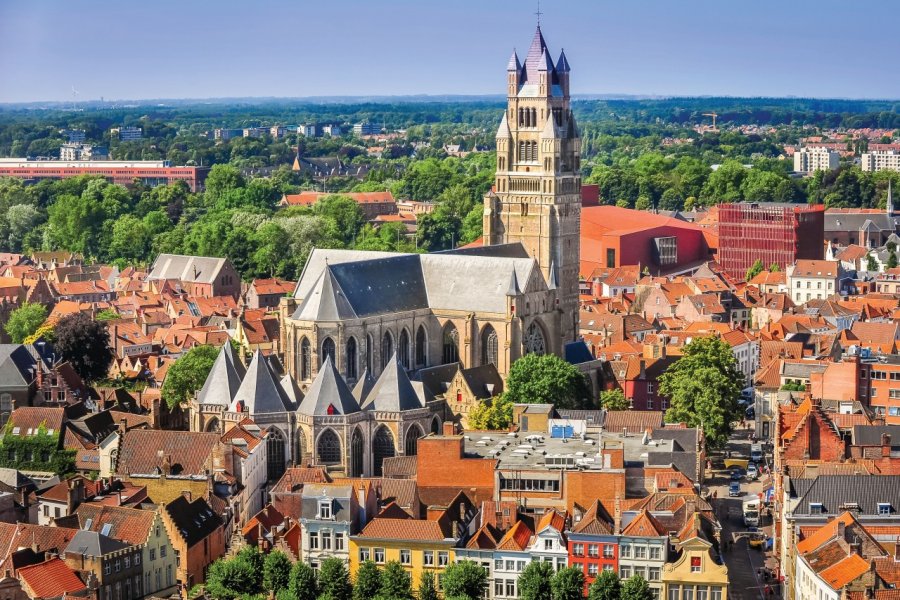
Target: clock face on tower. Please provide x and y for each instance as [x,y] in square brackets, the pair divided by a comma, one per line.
[534,340]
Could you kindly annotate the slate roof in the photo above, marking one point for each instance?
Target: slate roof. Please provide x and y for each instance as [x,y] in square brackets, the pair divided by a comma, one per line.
[16,364]
[393,391]
[223,380]
[292,390]
[195,520]
[143,451]
[342,284]
[484,381]
[870,435]
[260,392]
[363,386]
[328,389]
[437,379]
[197,269]
[91,543]
[835,492]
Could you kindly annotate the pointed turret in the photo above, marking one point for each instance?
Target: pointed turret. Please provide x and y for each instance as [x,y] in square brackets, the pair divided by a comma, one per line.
[223,380]
[503,132]
[292,390]
[533,60]
[513,289]
[514,64]
[328,394]
[325,302]
[550,131]
[260,392]
[562,64]
[393,392]
[554,276]
[545,63]
[363,386]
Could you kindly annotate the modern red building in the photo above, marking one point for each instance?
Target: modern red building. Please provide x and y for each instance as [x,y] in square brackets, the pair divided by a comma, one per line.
[593,544]
[769,232]
[151,173]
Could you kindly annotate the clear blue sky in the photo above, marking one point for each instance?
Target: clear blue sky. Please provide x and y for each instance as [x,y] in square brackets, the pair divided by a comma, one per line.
[204,48]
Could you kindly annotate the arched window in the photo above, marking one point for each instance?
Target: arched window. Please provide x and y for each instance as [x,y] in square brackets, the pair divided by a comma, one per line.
[451,344]
[387,348]
[521,151]
[275,454]
[489,346]
[521,118]
[328,351]
[356,453]
[382,448]
[212,425]
[304,359]
[435,425]
[351,358]
[403,349]
[328,448]
[412,439]
[534,339]
[534,117]
[370,348]
[421,347]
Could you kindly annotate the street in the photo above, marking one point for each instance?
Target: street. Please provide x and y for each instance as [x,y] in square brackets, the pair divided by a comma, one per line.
[744,563]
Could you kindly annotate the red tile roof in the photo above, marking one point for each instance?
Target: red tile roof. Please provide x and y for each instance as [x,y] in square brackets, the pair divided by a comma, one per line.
[130,525]
[50,579]
[145,450]
[403,529]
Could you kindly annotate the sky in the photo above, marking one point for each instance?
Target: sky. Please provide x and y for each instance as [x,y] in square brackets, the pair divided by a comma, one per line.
[138,49]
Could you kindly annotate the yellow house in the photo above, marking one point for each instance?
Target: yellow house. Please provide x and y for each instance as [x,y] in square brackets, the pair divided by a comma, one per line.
[699,573]
[416,544]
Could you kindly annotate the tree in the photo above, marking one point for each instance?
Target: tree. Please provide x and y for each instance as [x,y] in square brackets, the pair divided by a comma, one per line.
[334,581]
[188,374]
[547,379]
[24,321]
[107,314]
[871,264]
[614,399]
[464,579]
[276,571]
[368,581]
[754,270]
[74,223]
[703,388]
[568,584]
[535,581]
[892,260]
[232,578]
[427,590]
[84,343]
[636,588]
[492,414]
[396,583]
[303,584]
[774,267]
[345,213]
[605,587]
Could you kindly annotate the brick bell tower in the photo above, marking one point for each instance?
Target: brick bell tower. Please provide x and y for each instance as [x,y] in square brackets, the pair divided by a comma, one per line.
[536,199]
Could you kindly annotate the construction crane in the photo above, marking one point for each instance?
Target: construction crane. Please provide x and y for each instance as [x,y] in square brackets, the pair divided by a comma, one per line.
[713,115]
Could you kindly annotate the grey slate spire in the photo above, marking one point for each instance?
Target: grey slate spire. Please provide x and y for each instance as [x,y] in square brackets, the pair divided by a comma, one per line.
[562,65]
[363,386]
[393,392]
[260,392]
[326,301]
[554,276]
[223,380]
[513,64]
[513,284]
[293,392]
[328,394]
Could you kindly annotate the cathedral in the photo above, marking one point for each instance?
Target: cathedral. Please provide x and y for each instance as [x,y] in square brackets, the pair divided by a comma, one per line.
[363,332]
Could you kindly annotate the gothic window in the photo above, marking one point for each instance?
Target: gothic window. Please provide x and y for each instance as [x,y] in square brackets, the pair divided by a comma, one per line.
[387,348]
[534,339]
[351,358]
[370,347]
[382,448]
[403,349]
[328,449]
[489,346]
[421,347]
[275,454]
[412,438]
[534,117]
[304,359]
[328,350]
[521,118]
[435,425]
[356,454]
[451,344]
[521,151]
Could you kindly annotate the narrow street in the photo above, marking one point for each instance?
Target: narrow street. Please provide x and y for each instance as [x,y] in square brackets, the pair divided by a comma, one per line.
[744,563]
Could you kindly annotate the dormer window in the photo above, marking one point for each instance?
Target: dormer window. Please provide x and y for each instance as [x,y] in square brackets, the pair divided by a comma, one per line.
[815,508]
[884,508]
[325,511]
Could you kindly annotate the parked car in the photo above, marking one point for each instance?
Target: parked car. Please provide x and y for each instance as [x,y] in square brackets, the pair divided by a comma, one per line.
[752,471]
[734,489]
[736,474]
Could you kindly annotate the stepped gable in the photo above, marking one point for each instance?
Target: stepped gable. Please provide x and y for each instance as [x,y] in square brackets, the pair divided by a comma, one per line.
[393,391]
[328,394]
[223,380]
[260,392]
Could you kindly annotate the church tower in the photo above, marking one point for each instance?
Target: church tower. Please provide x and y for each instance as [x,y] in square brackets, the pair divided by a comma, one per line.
[536,198]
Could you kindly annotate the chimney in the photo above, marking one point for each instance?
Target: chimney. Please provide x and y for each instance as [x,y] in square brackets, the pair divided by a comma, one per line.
[885,445]
[449,428]
[841,529]
[617,516]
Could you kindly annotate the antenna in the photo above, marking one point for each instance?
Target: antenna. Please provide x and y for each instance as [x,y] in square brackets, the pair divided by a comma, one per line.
[74,97]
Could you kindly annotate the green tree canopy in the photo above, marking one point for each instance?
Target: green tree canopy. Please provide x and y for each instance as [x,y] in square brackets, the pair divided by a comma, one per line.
[703,388]
[235,577]
[427,589]
[754,270]
[276,571]
[368,581]
[534,582]
[636,588]
[334,580]
[25,320]
[568,584]
[188,374]
[303,584]
[614,399]
[396,583]
[492,414]
[464,579]
[84,343]
[547,379]
[605,587]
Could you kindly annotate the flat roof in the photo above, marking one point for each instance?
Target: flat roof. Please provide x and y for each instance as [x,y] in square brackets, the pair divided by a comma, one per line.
[24,163]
